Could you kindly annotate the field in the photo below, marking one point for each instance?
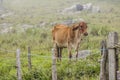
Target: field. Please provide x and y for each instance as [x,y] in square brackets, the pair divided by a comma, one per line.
[29,23]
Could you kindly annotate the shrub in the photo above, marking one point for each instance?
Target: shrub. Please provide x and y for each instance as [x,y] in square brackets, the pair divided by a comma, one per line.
[99,30]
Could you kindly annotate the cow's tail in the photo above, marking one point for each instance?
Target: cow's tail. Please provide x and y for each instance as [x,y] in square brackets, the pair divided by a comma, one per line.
[53,32]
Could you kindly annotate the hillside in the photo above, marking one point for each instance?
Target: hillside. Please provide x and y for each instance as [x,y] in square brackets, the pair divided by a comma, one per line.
[26,23]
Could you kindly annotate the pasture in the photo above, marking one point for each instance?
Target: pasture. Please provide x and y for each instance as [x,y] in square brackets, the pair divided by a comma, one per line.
[29,23]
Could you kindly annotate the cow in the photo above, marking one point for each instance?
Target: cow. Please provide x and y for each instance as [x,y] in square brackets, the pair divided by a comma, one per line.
[68,37]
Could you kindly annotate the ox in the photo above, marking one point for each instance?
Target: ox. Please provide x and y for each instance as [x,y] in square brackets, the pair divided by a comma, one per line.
[68,37]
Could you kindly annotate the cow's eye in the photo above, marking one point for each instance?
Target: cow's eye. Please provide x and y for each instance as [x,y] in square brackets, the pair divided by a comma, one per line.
[80,27]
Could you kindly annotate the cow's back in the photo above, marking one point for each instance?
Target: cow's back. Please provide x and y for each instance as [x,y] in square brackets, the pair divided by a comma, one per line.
[60,35]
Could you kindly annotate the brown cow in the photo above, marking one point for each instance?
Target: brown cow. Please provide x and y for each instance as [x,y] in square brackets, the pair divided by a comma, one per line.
[68,37]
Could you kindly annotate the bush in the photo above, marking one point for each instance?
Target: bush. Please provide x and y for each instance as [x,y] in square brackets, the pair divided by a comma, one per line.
[99,31]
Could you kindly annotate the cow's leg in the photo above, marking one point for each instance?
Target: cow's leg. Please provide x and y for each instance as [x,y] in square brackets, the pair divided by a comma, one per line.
[60,53]
[76,53]
[69,51]
[76,50]
[56,50]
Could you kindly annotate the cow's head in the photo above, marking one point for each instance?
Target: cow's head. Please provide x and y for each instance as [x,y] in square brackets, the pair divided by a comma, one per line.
[82,27]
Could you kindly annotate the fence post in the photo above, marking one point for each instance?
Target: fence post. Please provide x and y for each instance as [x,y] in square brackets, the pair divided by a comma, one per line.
[29,58]
[54,70]
[112,41]
[104,61]
[19,77]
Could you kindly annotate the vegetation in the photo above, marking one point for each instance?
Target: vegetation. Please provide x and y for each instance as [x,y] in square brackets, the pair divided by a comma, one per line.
[39,38]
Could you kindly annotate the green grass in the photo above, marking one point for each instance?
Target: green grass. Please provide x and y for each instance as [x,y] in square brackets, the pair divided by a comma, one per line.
[40,40]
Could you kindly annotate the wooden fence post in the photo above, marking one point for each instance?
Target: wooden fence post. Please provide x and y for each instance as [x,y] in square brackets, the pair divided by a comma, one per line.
[54,70]
[112,41]
[29,58]
[104,61]
[19,77]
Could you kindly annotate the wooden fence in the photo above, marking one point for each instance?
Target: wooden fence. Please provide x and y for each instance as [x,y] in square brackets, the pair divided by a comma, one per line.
[18,64]
[109,61]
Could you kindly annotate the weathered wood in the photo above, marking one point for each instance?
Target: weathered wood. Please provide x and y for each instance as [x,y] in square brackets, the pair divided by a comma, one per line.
[29,58]
[117,60]
[104,59]
[112,40]
[18,63]
[107,67]
[54,70]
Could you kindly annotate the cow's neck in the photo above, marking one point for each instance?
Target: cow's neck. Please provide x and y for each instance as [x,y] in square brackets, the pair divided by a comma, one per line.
[78,36]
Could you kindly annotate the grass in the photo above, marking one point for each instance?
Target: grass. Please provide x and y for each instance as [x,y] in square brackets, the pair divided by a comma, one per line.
[40,40]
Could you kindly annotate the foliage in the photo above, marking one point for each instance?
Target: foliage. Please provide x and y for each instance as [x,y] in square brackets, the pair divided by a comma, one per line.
[40,40]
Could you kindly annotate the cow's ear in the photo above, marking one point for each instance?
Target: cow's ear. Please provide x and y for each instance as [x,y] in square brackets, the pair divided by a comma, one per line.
[81,25]
[75,28]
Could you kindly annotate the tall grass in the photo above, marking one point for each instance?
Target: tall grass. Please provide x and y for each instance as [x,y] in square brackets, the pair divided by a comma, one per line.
[40,39]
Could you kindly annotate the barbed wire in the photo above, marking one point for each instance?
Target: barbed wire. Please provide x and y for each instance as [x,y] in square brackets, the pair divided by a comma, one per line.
[38,55]
[45,48]
[117,45]
[5,50]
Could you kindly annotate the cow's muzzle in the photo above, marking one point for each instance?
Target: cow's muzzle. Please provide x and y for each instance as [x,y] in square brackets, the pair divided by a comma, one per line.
[85,34]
